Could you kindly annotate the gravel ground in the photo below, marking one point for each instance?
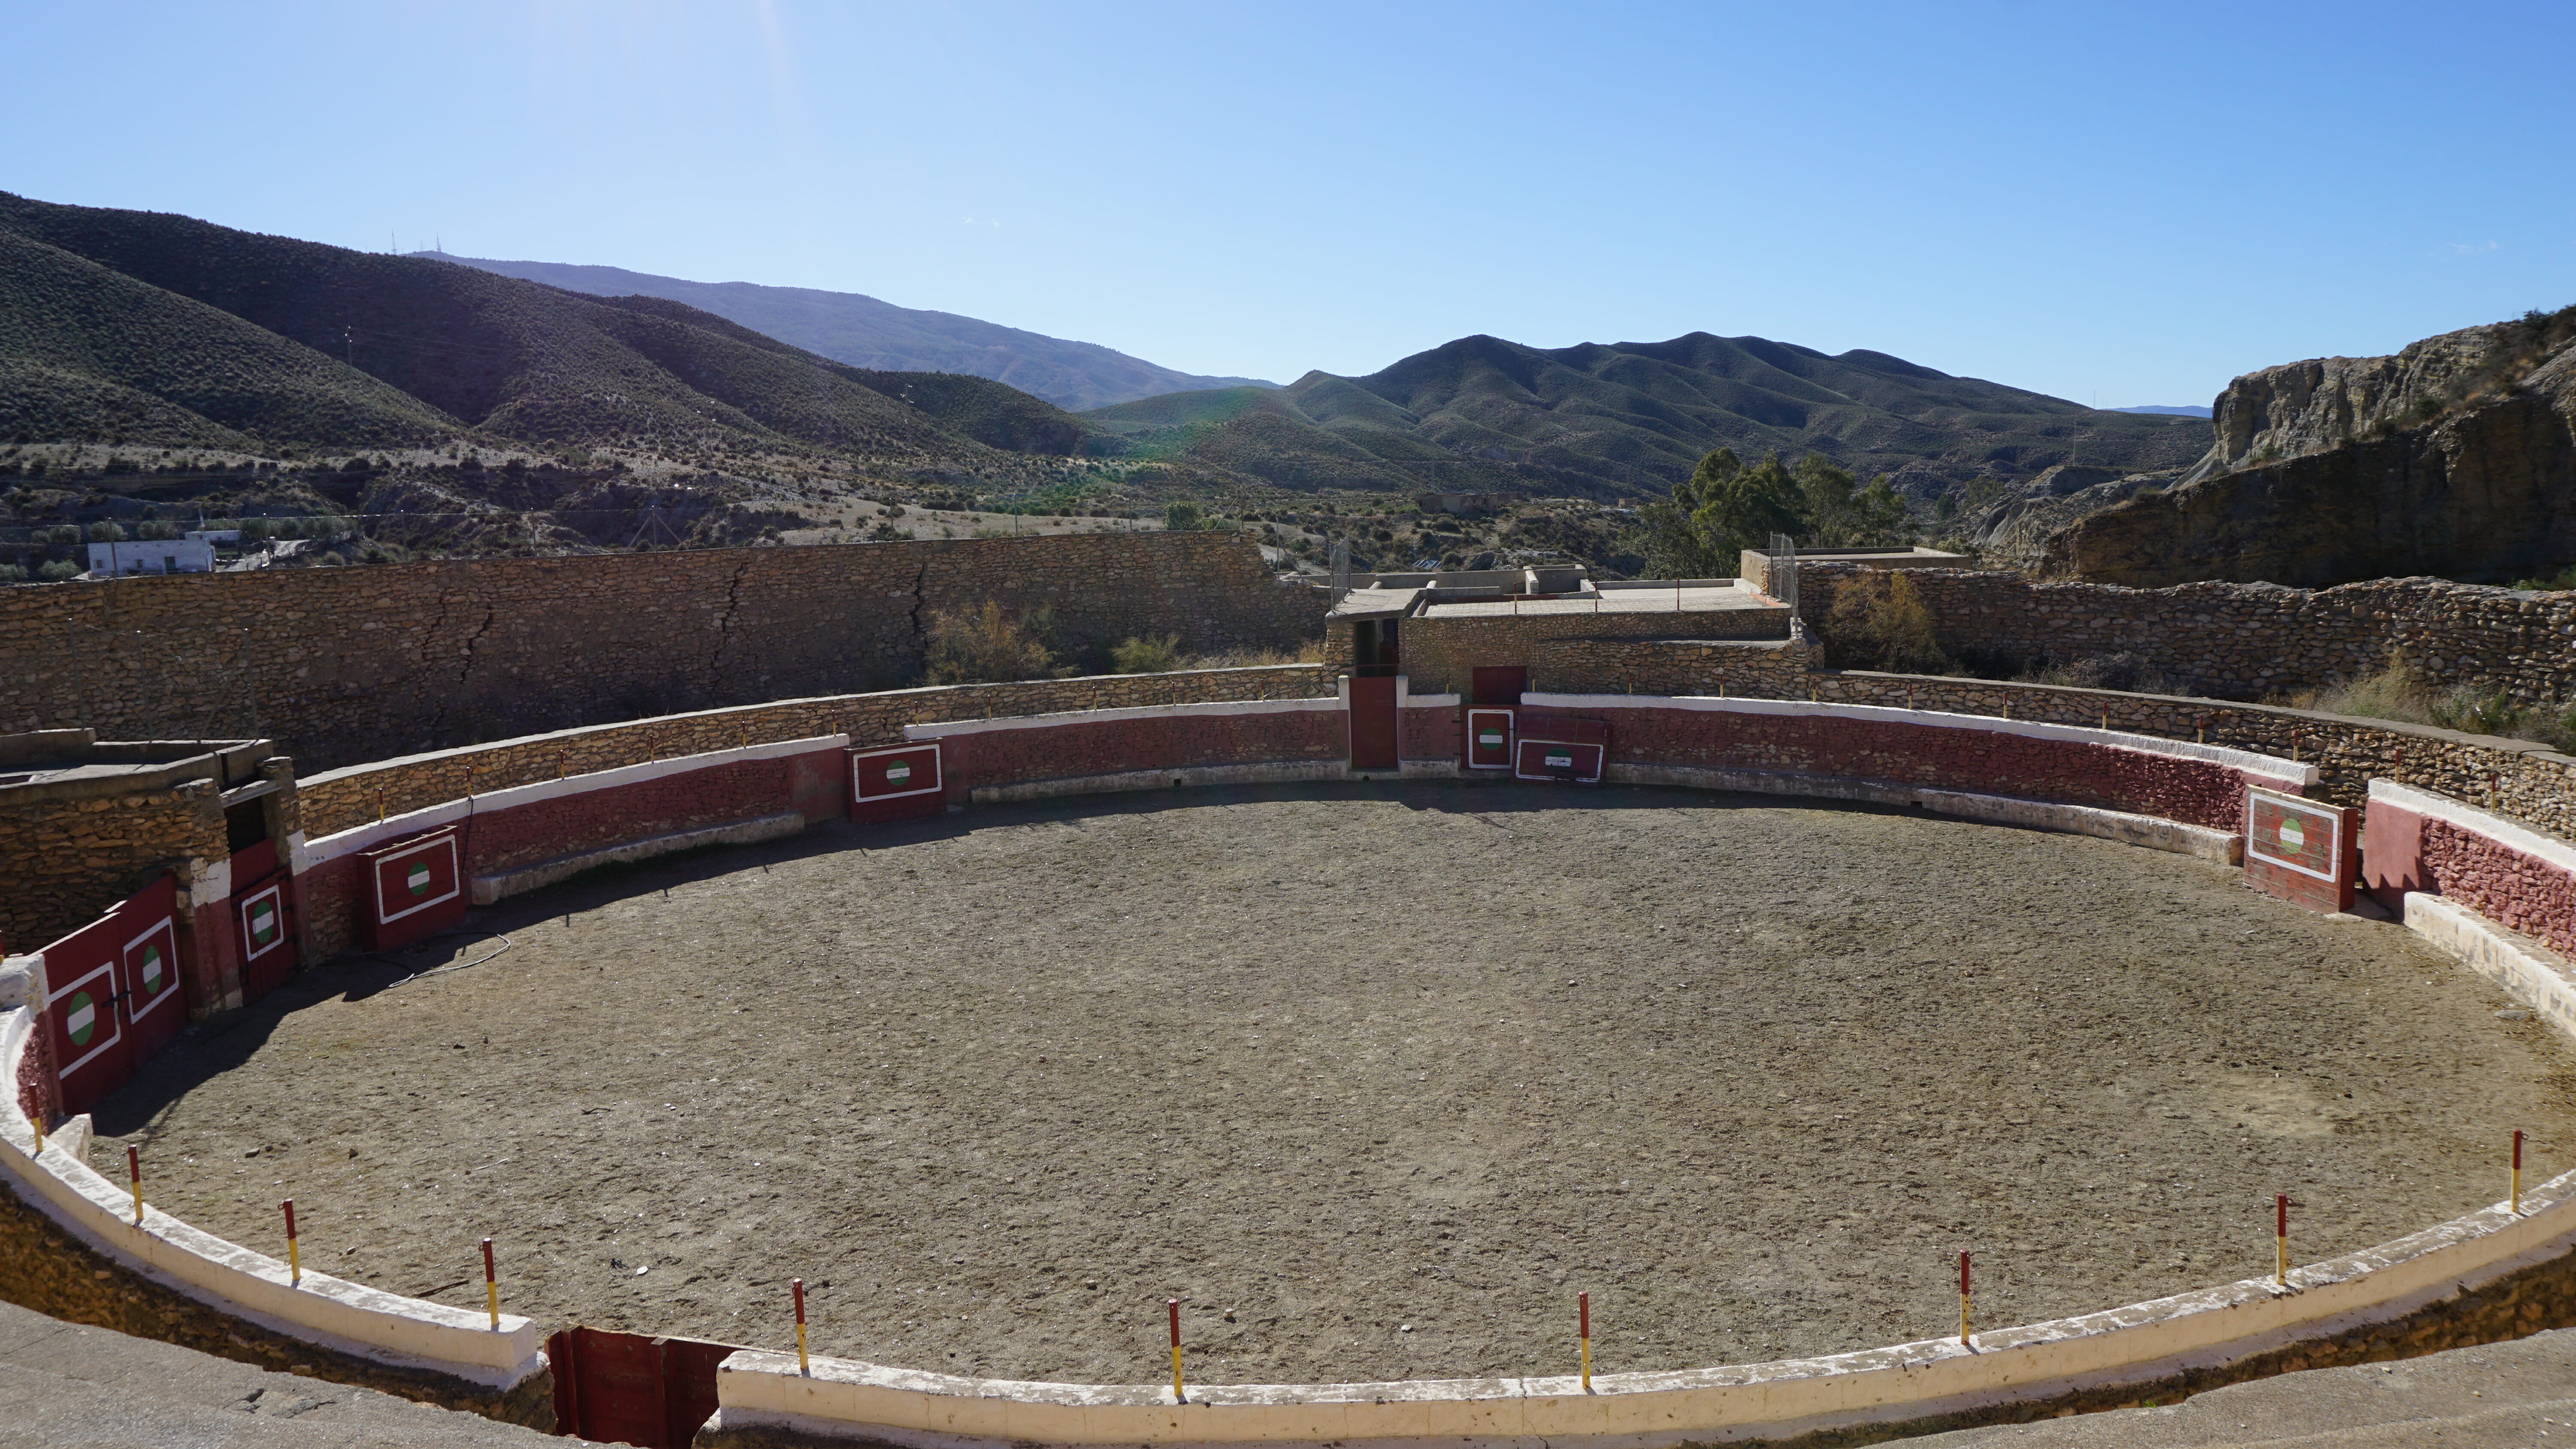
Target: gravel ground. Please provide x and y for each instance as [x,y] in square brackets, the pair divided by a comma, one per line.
[1373,1079]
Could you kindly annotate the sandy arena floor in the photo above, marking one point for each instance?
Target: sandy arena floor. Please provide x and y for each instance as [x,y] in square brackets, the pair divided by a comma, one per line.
[1372,1078]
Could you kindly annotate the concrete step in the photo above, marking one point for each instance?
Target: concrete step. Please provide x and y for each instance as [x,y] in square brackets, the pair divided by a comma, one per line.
[2521,1393]
[65,1386]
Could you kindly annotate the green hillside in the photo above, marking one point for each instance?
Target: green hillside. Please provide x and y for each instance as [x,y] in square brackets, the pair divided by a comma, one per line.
[519,360]
[89,352]
[1631,418]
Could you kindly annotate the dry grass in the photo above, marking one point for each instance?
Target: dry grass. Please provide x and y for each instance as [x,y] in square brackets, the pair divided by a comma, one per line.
[2396,692]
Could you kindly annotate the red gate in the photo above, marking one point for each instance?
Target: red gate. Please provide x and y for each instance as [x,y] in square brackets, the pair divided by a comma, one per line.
[901,783]
[263,919]
[624,1388]
[415,888]
[112,994]
[1373,723]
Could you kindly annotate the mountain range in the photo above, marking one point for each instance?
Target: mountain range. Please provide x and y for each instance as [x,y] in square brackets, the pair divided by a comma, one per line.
[864,332]
[145,327]
[1633,418]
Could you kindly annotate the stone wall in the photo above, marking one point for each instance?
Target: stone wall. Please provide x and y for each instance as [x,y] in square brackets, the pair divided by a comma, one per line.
[1438,654]
[2526,781]
[69,858]
[1772,669]
[2246,641]
[347,664]
[344,799]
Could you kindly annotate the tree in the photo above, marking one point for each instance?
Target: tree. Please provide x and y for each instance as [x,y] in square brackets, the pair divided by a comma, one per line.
[1724,508]
[1183,516]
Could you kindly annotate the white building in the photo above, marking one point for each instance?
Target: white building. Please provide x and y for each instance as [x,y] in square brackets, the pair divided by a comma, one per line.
[194,554]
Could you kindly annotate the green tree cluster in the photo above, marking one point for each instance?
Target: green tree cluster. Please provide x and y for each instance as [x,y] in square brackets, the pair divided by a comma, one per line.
[1727,506]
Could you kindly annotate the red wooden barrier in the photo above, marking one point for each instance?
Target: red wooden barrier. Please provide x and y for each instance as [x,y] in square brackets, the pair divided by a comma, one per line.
[625,1388]
[112,994]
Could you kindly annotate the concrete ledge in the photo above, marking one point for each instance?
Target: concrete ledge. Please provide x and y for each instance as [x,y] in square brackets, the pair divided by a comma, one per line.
[2219,847]
[2529,971]
[503,884]
[331,1313]
[1179,777]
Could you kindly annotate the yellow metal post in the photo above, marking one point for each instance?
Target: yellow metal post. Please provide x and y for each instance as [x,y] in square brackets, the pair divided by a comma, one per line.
[802,1365]
[2517,1172]
[491,1287]
[2281,1239]
[134,1170]
[1172,1306]
[39,1124]
[1583,1334]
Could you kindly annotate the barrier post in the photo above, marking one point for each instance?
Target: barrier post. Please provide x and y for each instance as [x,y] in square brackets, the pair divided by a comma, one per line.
[294,1267]
[1963,1300]
[380,805]
[2281,1239]
[1172,1306]
[491,1287]
[1583,1334]
[38,1123]
[803,1366]
[134,1170]
[2517,1172]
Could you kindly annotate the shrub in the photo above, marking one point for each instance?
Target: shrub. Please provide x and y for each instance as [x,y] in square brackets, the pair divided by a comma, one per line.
[988,646]
[106,531]
[13,573]
[2124,671]
[59,570]
[1183,516]
[1152,654]
[1879,621]
[156,529]
[2470,712]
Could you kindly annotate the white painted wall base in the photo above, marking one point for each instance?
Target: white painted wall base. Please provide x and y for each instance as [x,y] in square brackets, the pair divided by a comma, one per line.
[503,884]
[2529,972]
[2153,832]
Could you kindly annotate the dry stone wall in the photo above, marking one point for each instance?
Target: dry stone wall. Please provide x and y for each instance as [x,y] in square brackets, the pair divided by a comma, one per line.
[2247,641]
[349,664]
[1440,653]
[344,799]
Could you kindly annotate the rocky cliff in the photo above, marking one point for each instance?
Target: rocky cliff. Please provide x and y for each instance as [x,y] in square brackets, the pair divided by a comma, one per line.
[2456,457]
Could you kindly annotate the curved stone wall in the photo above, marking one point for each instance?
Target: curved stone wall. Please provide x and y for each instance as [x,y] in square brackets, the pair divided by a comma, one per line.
[1279,724]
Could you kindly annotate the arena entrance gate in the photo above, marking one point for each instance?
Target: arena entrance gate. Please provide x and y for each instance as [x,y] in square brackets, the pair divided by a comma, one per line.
[906,782]
[414,888]
[112,995]
[1568,751]
[263,915]
[625,1388]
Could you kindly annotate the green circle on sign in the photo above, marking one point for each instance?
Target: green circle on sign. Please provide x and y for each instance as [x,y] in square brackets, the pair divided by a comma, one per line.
[82,1019]
[263,922]
[2292,837]
[1489,738]
[897,774]
[151,970]
[419,880]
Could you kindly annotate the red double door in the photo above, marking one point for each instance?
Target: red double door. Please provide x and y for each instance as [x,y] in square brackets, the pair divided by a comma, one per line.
[112,994]
[263,919]
[625,1388]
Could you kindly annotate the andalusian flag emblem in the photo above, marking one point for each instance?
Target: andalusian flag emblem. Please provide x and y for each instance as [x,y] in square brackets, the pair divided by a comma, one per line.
[1491,738]
[2292,837]
[82,1020]
[263,923]
[419,880]
[898,774]
[1560,762]
[152,970]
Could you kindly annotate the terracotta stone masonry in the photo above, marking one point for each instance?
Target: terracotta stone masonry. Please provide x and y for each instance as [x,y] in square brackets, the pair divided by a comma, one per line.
[343,799]
[347,664]
[2248,641]
[1439,653]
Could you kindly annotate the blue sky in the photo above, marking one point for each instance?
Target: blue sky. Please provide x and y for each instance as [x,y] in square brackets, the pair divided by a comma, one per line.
[2129,202]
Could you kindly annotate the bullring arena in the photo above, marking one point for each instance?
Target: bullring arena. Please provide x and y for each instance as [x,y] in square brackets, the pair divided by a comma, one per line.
[1548,939]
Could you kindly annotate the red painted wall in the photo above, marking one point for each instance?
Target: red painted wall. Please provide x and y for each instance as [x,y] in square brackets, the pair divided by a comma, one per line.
[1986,762]
[1427,734]
[334,892]
[2500,883]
